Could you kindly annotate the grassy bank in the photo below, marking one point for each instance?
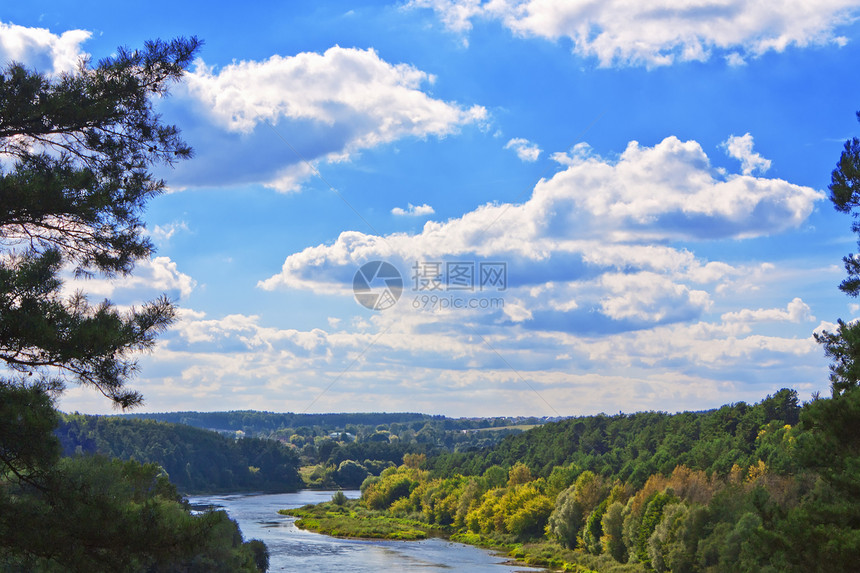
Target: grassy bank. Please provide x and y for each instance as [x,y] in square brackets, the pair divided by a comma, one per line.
[547,554]
[350,519]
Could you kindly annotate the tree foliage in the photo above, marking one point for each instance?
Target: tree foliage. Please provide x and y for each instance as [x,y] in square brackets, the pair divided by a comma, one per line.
[197,461]
[83,144]
[77,151]
[631,447]
[843,346]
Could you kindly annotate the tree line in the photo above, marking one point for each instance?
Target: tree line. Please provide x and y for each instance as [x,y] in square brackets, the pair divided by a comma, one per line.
[195,460]
[632,447]
[737,489]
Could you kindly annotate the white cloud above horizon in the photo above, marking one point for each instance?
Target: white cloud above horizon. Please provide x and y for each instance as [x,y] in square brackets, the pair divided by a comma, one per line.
[413,210]
[41,49]
[163,233]
[619,33]
[525,149]
[741,148]
[292,112]
[422,363]
[151,278]
[601,215]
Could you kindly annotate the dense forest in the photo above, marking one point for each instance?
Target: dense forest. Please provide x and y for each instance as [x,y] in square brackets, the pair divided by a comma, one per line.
[768,487]
[631,447]
[252,451]
[195,460]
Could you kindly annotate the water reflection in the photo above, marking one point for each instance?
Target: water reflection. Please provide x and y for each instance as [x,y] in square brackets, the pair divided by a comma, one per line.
[292,549]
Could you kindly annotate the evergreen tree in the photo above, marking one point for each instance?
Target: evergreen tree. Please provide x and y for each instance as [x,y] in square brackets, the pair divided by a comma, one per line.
[82,144]
[78,149]
[843,346]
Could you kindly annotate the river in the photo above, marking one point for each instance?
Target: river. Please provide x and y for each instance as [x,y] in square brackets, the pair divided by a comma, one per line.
[292,549]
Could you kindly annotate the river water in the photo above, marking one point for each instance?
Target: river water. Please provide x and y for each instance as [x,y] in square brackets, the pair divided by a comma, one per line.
[292,549]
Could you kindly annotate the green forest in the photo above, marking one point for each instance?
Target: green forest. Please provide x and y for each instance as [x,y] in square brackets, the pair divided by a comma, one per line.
[253,452]
[772,486]
[195,460]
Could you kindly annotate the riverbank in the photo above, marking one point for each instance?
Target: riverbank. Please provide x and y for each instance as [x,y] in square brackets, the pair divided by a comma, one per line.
[293,549]
[350,520]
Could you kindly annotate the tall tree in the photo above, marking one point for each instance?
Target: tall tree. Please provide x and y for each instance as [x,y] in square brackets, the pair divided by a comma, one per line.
[83,144]
[76,153]
[843,346]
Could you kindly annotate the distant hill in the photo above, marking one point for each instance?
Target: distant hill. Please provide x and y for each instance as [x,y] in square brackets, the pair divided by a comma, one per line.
[256,422]
[196,460]
[631,447]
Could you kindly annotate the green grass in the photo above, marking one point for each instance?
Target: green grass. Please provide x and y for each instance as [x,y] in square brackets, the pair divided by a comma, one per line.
[352,520]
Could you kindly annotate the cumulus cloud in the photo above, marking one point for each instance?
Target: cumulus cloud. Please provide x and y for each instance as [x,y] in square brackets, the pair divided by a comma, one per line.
[595,213]
[623,33]
[41,49]
[670,190]
[795,311]
[741,148]
[151,278]
[525,149]
[413,210]
[278,118]
[651,298]
[588,250]
[517,312]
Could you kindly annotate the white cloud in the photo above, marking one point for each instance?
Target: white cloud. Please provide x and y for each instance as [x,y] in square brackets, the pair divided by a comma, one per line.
[525,149]
[585,250]
[163,233]
[151,278]
[597,211]
[735,60]
[795,311]
[326,107]
[421,363]
[517,312]
[413,210]
[741,148]
[670,190]
[41,49]
[649,297]
[617,32]
[700,345]
[455,14]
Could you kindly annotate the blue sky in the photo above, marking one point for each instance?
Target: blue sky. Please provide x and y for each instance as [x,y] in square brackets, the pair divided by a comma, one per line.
[652,179]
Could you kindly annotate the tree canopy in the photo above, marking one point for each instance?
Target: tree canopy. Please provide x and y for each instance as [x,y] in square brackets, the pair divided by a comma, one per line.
[76,156]
[843,346]
[81,147]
